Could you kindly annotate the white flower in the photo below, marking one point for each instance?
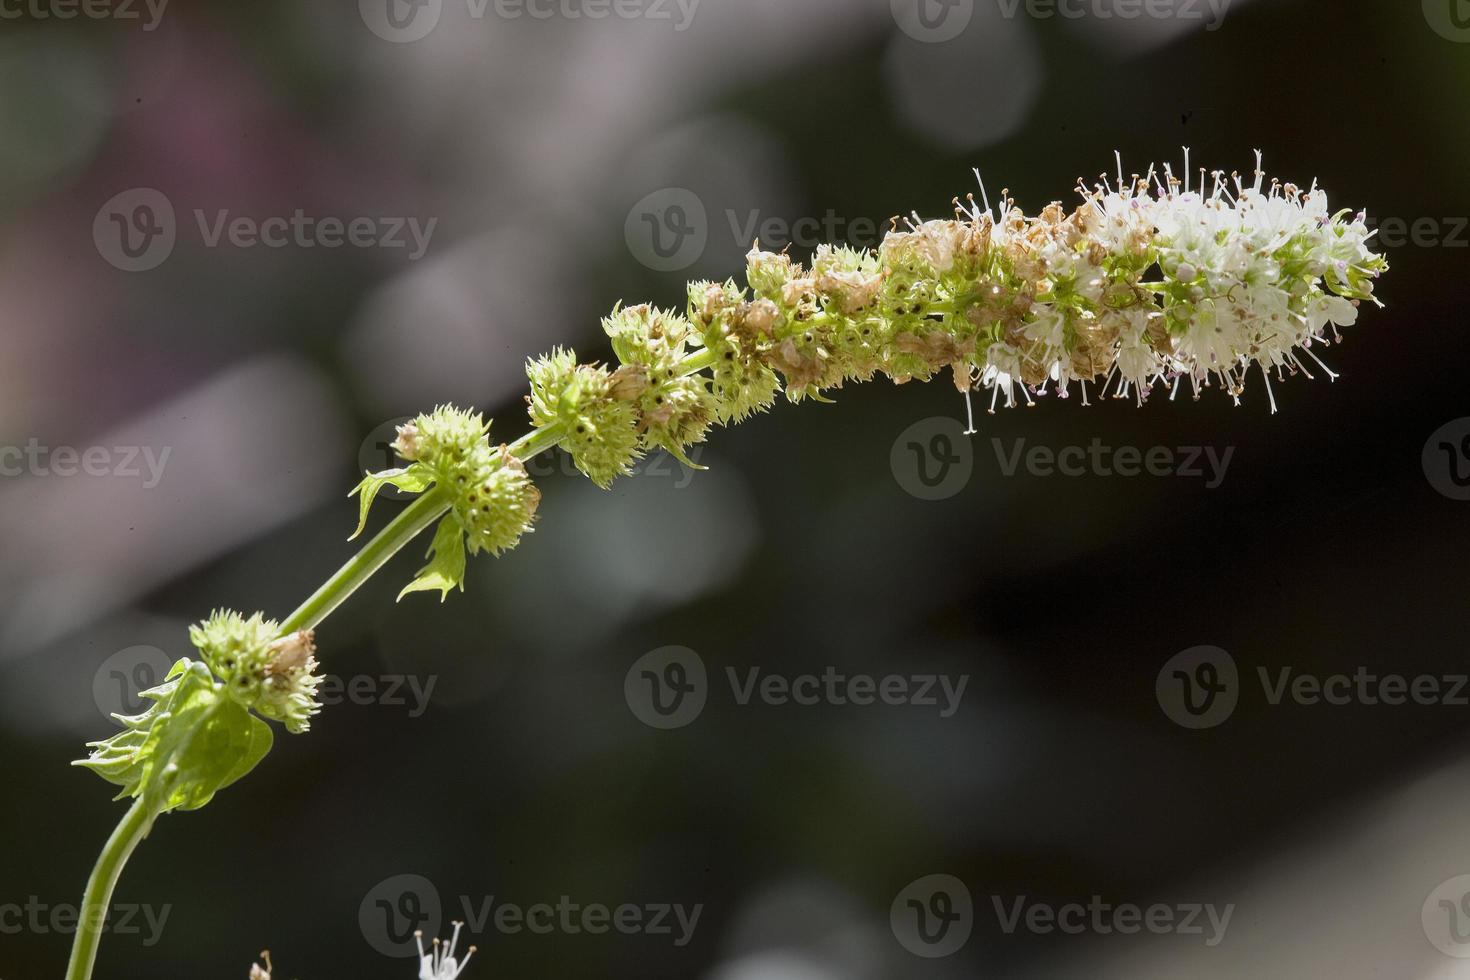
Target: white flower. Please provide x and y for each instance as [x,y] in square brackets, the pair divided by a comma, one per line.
[440,962]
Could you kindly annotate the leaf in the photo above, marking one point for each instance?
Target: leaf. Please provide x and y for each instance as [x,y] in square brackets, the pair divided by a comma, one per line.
[193,741]
[413,479]
[445,569]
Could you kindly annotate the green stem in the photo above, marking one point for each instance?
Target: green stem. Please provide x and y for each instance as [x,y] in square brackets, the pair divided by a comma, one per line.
[98,898]
[418,516]
[414,518]
[425,510]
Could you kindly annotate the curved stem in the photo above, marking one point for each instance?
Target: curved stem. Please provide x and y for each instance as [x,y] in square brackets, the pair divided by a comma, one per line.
[98,898]
[410,522]
[425,510]
[415,518]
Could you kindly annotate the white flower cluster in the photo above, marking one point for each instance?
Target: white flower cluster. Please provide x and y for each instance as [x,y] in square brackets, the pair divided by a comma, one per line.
[1249,274]
[440,962]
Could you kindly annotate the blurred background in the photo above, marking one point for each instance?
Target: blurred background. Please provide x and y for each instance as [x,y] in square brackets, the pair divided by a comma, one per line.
[241,241]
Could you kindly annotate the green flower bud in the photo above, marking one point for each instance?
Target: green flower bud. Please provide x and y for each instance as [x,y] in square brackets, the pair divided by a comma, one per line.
[738,333]
[769,273]
[273,675]
[594,409]
[674,411]
[495,501]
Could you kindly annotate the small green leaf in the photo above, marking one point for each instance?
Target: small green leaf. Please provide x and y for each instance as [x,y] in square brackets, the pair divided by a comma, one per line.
[445,569]
[193,741]
[413,479]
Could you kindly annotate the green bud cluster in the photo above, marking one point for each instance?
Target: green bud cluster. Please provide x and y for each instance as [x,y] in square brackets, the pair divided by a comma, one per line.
[204,728]
[1001,300]
[492,501]
[595,409]
[273,675]
[675,408]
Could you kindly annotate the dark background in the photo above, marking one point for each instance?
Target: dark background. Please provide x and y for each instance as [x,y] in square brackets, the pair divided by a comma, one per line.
[527,777]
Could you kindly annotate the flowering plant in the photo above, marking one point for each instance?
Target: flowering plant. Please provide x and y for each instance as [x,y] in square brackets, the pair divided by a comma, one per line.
[1154,280]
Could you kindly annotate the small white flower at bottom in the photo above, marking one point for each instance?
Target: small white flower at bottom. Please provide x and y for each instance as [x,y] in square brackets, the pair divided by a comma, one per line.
[440,963]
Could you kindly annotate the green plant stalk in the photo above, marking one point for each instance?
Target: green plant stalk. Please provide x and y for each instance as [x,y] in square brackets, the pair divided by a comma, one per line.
[98,897]
[410,522]
[820,324]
